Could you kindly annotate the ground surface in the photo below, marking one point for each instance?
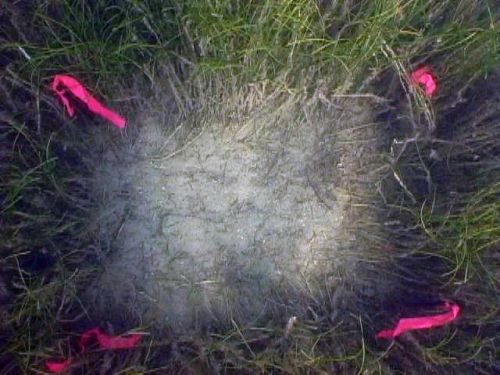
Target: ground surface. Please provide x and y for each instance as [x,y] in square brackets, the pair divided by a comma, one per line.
[212,228]
[426,213]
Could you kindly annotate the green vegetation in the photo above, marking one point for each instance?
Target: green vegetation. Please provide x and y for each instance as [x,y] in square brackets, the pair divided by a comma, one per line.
[292,43]
[468,236]
[47,240]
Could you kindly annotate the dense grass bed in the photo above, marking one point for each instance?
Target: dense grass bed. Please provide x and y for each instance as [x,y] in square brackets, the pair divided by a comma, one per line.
[422,190]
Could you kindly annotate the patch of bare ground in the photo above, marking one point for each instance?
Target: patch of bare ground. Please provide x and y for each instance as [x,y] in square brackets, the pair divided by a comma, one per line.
[238,217]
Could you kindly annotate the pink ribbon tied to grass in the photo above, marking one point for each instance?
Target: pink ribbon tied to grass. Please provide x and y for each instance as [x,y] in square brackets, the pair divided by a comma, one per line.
[62,84]
[422,322]
[104,340]
[424,76]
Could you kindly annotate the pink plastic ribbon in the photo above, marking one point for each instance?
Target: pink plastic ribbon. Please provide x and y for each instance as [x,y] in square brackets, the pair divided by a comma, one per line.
[424,76]
[108,342]
[62,84]
[104,340]
[422,322]
[57,367]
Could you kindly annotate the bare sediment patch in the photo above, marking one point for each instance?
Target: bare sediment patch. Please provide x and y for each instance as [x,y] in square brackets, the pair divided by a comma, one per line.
[213,228]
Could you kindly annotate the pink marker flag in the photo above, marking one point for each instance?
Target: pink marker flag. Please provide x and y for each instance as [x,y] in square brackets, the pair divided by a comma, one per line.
[422,322]
[62,84]
[424,76]
[57,367]
[104,340]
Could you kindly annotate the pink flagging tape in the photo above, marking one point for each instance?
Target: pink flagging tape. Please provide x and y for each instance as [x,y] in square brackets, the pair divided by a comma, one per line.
[108,342]
[57,367]
[64,83]
[422,322]
[104,340]
[424,76]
